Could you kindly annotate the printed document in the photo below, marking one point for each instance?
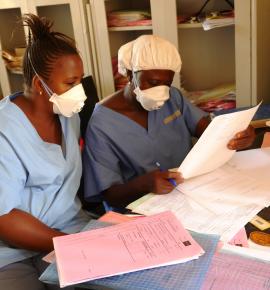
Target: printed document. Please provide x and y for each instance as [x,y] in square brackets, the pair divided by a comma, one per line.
[229,271]
[143,243]
[220,202]
[210,151]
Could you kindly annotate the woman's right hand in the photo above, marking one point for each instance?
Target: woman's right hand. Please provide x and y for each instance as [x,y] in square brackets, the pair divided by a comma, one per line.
[158,181]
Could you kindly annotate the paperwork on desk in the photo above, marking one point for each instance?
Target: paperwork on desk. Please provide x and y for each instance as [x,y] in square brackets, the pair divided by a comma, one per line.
[210,152]
[230,271]
[220,202]
[144,243]
[180,276]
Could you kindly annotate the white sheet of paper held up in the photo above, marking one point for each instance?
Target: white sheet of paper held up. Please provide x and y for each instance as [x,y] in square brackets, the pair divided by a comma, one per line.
[211,152]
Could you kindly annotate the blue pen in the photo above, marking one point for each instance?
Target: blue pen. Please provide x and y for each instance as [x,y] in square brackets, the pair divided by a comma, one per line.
[171,180]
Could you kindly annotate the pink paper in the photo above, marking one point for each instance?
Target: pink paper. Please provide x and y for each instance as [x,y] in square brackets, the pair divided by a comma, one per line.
[240,239]
[266,140]
[114,218]
[235,272]
[140,244]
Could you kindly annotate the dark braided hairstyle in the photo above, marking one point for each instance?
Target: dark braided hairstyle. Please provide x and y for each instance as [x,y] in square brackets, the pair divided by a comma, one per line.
[43,48]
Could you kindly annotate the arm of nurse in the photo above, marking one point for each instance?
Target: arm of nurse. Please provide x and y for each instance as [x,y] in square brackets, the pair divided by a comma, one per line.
[22,230]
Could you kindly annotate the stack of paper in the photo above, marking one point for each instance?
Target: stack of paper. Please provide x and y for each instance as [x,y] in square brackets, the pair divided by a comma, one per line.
[217,197]
[230,271]
[220,202]
[217,22]
[144,243]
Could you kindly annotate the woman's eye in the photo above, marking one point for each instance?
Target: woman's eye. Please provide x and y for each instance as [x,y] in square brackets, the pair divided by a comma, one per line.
[71,84]
[154,83]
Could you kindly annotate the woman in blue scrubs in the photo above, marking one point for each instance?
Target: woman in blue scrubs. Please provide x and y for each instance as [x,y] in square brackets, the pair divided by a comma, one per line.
[146,125]
[40,160]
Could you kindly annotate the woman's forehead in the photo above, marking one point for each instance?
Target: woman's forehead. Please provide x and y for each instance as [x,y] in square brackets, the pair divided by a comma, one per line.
[67,64]
[156,73]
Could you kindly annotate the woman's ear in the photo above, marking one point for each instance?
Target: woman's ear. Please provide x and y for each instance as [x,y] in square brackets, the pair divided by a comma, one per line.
[37,85]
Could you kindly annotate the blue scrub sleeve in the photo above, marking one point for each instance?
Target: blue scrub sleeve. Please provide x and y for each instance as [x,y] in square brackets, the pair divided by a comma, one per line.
[101,167]
[12,177]
[192,114]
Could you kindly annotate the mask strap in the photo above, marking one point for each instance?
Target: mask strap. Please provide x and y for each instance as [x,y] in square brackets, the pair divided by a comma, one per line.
[46,88]
[135,81]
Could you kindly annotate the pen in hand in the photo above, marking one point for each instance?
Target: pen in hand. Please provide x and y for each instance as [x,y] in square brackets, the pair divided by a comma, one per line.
[171,180]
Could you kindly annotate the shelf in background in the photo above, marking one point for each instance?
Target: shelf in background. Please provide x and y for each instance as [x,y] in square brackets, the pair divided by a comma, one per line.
[180,26]
[197,25]
[189,25]
[16,72]
[130,28]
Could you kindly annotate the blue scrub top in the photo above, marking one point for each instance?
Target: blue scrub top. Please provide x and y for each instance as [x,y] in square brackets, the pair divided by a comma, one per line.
[117,149]
[38,177]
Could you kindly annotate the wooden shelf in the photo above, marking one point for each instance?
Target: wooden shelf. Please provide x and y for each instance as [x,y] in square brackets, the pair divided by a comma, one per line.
[15,72]
[189,25]
[198,25]
[130,28]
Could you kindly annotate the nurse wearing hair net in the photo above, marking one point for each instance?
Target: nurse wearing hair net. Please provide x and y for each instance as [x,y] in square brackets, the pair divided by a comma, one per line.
[147,123]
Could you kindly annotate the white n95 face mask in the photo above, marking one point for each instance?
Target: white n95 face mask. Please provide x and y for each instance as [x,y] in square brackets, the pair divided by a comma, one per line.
[152,98]
[70,102]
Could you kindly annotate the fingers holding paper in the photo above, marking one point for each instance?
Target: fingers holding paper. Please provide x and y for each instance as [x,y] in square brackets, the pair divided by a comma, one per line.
[242,139]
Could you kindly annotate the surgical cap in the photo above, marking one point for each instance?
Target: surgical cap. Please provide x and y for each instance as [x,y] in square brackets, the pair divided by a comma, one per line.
[148,52]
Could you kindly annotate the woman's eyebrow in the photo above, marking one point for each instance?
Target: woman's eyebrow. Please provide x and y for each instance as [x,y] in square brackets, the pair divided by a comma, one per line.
[73,78]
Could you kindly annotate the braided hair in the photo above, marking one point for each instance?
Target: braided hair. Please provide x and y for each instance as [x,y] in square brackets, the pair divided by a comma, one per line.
[44,47]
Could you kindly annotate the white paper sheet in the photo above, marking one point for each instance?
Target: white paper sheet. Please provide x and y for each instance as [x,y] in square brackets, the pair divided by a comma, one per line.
[253,250]
[225,213]
[225,189]
[211,152]
[254,163]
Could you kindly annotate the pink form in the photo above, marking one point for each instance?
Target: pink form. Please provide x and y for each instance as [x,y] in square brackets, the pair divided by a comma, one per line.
[139,244]
[235,272]
[114,218]
[240,239]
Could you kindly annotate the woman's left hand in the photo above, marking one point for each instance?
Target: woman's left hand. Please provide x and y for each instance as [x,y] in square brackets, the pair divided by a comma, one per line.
[242,139]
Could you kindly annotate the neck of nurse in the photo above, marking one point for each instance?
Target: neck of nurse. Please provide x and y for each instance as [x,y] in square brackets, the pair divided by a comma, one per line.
[36,107]
[43,108]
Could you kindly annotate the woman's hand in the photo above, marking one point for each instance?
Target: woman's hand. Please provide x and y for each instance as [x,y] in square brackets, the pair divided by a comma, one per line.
[120,195]
[159,181]
[242,139]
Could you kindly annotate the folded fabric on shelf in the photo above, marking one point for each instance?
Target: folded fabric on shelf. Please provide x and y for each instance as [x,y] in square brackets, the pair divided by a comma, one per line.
[129,18]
